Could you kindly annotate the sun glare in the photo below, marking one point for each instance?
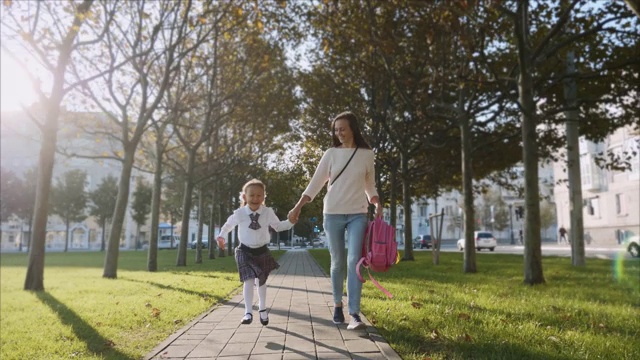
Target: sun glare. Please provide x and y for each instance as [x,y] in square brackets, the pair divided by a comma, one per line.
[16,89]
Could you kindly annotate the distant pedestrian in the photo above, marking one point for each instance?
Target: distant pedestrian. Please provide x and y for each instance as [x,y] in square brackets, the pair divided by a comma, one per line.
[521,237]
[253,257]
[563,235]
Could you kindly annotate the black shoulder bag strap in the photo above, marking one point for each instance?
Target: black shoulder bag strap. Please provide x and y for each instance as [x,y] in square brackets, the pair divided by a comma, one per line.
[345,166]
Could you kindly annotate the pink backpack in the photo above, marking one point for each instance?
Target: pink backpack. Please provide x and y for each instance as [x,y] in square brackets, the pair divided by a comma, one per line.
[379,251]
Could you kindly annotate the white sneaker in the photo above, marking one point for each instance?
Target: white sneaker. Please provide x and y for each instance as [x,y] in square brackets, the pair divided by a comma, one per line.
[356,323]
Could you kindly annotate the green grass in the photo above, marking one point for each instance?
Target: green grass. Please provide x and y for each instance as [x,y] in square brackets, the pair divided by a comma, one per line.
[82,315]
[438,312]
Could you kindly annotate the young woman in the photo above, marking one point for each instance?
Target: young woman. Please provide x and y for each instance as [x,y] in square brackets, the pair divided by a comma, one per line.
[253,257]
[348,166]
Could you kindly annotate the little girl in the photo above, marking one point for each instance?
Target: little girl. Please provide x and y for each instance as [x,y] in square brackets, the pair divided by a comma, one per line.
[253,257]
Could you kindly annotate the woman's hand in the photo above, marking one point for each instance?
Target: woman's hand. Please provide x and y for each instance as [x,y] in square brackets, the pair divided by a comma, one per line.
[378,211]
[294,214]
[376,201]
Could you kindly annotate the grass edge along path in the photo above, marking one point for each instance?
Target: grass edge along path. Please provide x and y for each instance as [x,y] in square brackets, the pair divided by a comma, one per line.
[85,316]
[438,312]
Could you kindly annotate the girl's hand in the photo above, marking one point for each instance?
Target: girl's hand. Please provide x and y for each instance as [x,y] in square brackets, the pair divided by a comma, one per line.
[220,242]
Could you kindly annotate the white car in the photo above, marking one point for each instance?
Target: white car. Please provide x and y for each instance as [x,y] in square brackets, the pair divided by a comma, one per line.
[483,239]
[633,246]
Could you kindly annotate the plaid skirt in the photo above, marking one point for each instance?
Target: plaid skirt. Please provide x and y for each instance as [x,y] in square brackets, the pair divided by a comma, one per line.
[255,266]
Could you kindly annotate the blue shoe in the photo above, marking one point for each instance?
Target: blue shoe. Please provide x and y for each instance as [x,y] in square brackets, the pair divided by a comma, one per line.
[338,315]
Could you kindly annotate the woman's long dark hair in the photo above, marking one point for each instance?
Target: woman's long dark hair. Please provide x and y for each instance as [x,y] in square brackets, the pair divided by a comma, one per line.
[355,129]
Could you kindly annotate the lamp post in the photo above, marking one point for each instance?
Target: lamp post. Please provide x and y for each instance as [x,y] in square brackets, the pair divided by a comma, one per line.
[511,222]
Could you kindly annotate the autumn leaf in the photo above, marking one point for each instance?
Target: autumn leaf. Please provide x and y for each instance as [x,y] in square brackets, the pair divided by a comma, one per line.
[416,305]
[109,343]
[155,312]
[177,321]
[464,316]
[147,304]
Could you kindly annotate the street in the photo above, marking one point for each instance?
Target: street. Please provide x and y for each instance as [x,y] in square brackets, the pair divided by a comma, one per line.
[548,249]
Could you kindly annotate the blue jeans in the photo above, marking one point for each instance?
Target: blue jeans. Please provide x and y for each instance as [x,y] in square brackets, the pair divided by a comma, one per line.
[335,226]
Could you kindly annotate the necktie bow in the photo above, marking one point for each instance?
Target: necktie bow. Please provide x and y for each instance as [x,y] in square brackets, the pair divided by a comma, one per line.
[254,221]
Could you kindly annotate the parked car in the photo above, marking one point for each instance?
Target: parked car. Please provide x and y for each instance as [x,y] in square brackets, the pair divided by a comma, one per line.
[633,246]
[205,244]
[422,241]
[165,242]
[483,240]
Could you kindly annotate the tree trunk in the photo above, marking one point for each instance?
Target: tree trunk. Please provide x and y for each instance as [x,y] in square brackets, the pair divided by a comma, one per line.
[113,247]
[35,269]
[406,204]
[576,230]
[532,251]
[137,245]
[469,263]
[186,210]
[634,5]
[212,231]
[66,235]
[221,252]
[152,255]
[200,227]
[104,230]
[30,232]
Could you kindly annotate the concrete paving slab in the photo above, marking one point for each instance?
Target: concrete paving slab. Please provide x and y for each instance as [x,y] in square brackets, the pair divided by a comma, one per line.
[300,324]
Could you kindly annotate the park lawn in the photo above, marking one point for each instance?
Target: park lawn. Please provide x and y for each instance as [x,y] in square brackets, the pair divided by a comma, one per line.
[83,315]
[438,312]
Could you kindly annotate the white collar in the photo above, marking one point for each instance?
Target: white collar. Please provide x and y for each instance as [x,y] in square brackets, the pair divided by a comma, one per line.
[249,211]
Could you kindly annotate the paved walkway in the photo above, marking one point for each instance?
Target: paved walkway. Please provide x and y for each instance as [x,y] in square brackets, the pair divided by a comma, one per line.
[300,326]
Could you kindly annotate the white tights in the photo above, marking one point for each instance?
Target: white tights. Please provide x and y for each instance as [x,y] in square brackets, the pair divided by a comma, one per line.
[247,292]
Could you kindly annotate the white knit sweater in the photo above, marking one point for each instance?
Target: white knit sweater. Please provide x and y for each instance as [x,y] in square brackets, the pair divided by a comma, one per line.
[353,189]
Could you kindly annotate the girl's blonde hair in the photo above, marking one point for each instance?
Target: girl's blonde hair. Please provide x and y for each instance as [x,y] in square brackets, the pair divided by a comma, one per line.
[253,182]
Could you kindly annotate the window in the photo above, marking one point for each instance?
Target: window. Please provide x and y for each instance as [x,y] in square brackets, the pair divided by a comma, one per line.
[423,211]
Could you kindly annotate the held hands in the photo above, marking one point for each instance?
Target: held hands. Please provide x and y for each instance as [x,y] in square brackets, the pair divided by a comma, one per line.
[293,215]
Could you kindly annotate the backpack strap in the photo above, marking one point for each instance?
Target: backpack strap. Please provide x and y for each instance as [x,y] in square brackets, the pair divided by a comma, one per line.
[360,263]
[385,291]
[345,166]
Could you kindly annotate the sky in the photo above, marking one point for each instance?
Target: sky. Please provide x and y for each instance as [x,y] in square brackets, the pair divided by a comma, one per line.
[16,88]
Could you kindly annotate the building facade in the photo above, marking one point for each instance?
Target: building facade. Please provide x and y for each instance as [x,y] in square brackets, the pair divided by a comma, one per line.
[20,149]
[611,198]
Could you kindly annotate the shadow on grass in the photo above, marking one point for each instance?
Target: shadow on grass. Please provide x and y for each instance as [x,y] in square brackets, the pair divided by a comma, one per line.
[203,295]
[127,261]
[96,343]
